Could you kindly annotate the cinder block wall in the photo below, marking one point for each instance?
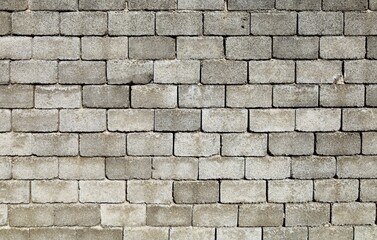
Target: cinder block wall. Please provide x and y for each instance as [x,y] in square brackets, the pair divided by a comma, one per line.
[188,119]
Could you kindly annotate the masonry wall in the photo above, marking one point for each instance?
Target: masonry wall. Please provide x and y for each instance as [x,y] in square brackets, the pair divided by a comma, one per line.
[188,119]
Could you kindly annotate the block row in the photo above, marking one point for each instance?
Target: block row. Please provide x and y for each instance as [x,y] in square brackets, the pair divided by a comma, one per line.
[216,72]
[187,144]
[222,120]
[202,215]
[208,47]
[190,192]
[219,98]
[74,5]
[180,233]
[202,233]
[206,168]
[102,5]
[187,23]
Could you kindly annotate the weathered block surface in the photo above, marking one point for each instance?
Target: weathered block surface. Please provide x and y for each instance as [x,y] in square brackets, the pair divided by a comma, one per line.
[131,23]
[295,47]
[196,192]
[43,72]
[153,144]
[268,168]
[221,167]
[248,48]
[128,168]
[256,215]
[35,23]
[179,24]
[309,214]
[313,167]
[144,191]
[102,191]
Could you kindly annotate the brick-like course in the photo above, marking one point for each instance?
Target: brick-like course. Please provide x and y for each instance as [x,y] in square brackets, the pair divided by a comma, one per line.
[188,119]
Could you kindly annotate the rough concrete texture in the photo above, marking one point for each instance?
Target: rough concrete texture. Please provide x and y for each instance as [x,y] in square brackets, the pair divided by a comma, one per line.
[188,119]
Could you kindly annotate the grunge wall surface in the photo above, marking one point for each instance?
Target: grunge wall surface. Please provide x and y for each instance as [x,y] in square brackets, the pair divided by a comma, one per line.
[188,119]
